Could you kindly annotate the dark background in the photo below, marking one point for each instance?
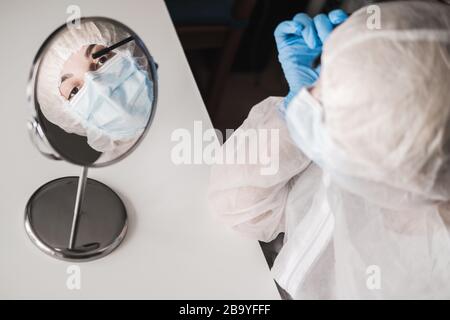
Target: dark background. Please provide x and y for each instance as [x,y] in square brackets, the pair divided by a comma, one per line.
[231,49]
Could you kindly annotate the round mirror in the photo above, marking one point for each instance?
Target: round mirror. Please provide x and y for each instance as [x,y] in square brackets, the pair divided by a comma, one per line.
[93,90]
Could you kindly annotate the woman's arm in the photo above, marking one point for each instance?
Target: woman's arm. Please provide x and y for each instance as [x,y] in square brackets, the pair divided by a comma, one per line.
[250,197]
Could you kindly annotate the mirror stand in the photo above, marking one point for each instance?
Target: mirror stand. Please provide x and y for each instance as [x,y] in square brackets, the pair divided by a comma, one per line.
[81,188]
[76,218]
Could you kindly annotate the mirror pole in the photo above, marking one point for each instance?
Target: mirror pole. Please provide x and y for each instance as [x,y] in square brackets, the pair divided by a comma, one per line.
[78,204]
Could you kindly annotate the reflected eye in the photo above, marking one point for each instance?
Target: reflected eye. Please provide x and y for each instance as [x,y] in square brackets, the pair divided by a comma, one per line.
[101,61]
[73,92]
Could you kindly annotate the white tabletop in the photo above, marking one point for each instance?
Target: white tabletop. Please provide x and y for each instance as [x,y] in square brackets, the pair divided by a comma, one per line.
[174,247]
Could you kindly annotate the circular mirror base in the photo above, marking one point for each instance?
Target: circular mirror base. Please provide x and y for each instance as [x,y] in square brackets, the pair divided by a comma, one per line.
[102,221]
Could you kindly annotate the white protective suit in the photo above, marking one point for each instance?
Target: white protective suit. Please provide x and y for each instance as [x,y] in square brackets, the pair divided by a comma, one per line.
[67,42]
[368,216]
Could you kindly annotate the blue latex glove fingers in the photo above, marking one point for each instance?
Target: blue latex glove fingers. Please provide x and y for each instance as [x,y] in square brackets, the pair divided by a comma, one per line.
[337,16]
[299,42]
[298,45]
[309,31]
[326,23]
[285,32]
[323,26]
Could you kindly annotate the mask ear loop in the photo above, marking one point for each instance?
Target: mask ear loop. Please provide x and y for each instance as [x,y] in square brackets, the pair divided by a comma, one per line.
[102,52]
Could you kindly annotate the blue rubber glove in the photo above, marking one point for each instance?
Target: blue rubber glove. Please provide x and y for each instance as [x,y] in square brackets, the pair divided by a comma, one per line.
[299,43]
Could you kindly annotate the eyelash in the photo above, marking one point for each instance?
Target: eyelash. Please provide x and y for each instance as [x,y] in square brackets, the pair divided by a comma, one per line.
[102,60]
[72,93]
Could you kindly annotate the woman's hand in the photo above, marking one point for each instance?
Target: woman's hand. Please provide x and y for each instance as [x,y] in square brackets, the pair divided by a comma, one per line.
[299,43]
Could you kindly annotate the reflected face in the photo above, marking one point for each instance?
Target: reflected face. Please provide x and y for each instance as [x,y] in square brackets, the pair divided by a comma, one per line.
[74,69]
[92,112]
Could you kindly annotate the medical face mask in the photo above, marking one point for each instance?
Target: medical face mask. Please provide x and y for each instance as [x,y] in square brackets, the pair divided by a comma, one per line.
[304,119]
[116,99]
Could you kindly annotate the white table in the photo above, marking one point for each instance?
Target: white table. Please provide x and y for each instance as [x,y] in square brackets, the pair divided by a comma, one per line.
[174,248]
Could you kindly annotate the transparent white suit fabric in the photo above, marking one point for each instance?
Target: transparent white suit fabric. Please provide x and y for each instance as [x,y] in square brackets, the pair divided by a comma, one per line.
[240,195]
[69,41]
[376,194]
[381,136]
[261,206]
[303,202]
[403,235]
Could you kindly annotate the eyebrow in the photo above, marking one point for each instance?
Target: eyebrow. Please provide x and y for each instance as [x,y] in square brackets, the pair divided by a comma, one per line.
[87,53]
[66,76]
[89,50]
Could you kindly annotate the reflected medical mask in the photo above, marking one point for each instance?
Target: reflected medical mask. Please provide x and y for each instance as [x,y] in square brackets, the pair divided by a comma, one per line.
[115,99]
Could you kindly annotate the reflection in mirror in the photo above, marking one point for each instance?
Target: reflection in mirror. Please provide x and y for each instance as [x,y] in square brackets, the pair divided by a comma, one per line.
[95,91]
